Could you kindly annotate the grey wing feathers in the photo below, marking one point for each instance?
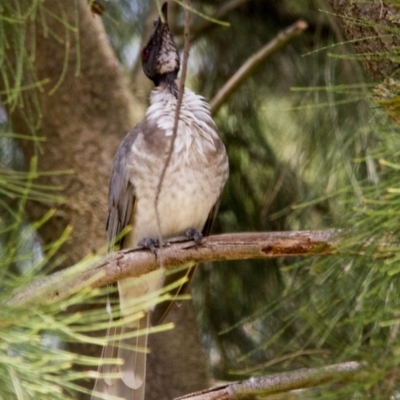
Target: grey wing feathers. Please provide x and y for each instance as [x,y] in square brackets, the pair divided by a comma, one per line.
[121,199]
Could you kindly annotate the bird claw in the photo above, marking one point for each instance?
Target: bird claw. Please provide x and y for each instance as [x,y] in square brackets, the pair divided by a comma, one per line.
[195,235]
[150,244]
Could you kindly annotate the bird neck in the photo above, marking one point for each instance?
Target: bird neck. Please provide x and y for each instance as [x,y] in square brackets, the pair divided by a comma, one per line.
[194,112]
[170,80]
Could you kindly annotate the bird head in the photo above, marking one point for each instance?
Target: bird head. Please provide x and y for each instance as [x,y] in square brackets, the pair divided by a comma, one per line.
[160,57]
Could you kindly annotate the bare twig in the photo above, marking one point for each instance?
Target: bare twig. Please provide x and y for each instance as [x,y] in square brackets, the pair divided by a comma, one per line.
[279,383]
[136,262]
[283,38]
[177,111]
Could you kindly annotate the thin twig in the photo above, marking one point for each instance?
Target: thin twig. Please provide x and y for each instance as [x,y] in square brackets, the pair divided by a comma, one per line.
[284,382]
[136,262]
[177,112]
[283,38]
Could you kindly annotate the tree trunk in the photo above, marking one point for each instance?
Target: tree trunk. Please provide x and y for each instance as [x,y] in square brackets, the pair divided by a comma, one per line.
[176,363]
[82,123]
[370,26]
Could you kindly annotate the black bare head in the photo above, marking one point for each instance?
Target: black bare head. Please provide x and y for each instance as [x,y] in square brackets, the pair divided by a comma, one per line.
[160,57]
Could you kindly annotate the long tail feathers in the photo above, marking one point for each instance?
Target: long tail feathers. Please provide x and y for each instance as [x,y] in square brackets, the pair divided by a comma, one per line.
[132,351]
[126,381]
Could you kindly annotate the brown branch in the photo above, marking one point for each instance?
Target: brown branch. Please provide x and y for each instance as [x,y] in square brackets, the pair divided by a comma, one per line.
[284,382]
[281,40]
[136,262]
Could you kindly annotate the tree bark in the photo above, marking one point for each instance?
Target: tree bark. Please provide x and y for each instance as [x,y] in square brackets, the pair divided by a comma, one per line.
[372,27]
[264,386]
[137,262]
[175,357]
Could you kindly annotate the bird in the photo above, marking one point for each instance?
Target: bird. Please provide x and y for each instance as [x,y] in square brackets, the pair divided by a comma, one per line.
[188,200]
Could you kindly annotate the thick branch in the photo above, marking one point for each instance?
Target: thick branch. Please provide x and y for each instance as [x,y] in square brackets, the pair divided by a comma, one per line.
[136,262]
[281,40]
[279,383]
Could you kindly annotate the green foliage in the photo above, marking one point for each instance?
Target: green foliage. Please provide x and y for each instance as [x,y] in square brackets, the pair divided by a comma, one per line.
[17,20]
[34,364]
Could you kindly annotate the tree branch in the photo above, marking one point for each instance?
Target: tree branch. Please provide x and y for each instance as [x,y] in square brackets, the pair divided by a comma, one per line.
[278,383]
[136,262]
[281,40]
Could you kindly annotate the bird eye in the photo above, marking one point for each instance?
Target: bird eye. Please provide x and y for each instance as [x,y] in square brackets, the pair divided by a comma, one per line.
[145,53]
[155,22]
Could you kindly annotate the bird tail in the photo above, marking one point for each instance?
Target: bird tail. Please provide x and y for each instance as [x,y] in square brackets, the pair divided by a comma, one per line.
[127,380]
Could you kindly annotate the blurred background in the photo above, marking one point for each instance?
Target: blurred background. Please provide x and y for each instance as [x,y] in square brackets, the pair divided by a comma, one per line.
[309,148]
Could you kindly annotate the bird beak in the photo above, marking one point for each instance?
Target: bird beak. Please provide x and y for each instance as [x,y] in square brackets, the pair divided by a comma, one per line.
[163,18]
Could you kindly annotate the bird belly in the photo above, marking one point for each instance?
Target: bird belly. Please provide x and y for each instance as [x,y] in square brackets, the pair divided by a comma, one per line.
[185,200]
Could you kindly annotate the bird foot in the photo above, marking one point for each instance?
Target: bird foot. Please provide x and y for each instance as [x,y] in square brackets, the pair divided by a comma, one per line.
[150,244]
[195,235]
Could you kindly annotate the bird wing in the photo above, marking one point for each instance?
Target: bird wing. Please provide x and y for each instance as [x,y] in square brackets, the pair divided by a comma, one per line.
[121,198]
[211,217]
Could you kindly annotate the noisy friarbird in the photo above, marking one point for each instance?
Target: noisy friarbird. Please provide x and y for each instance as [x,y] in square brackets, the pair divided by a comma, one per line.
[187,203]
